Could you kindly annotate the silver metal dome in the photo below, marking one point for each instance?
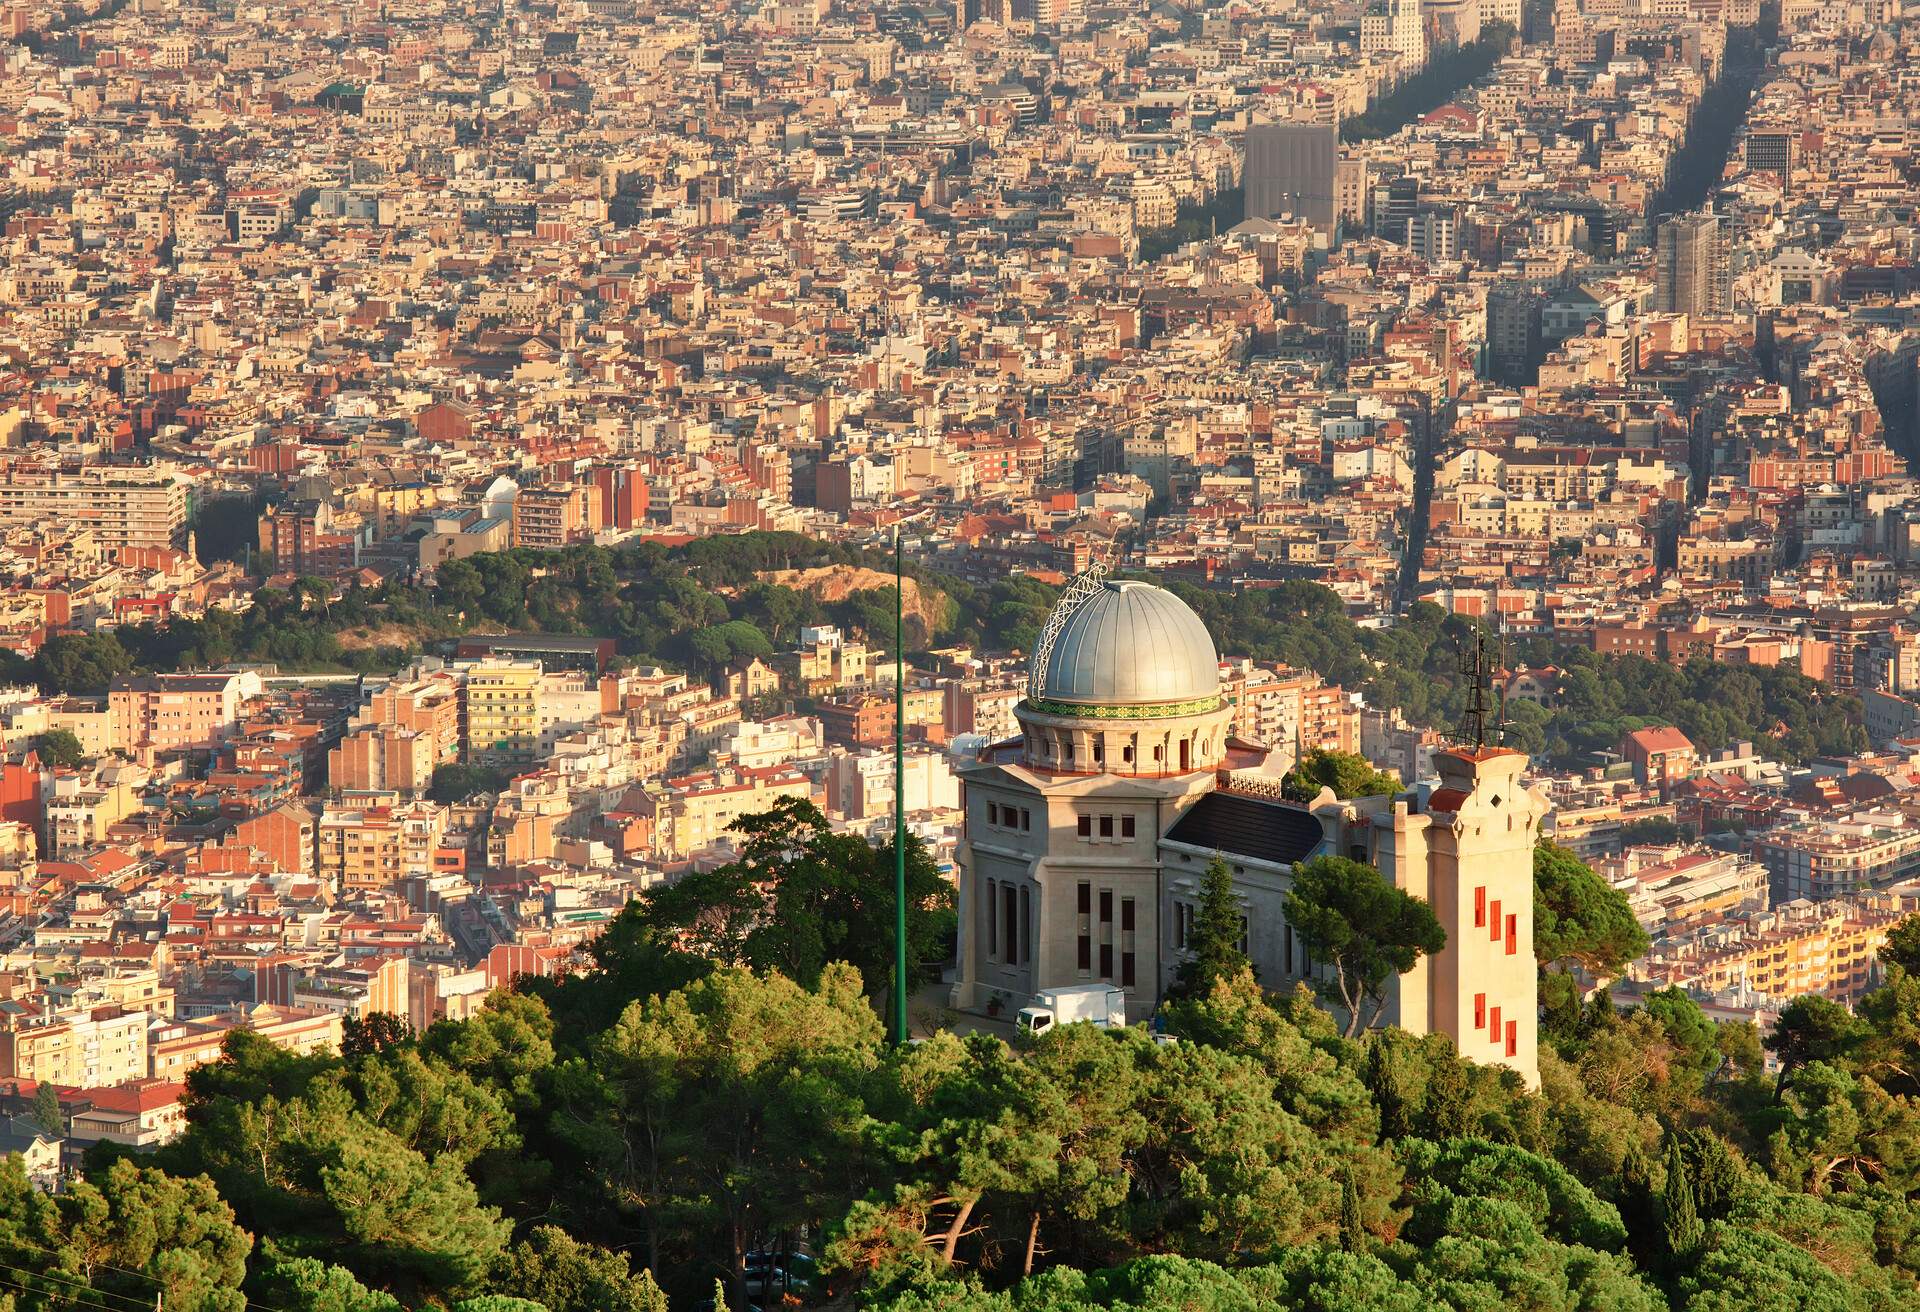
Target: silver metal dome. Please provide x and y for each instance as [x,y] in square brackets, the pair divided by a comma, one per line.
[1127,643]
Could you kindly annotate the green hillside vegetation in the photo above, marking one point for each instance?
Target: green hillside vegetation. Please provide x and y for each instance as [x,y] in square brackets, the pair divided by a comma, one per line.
[624,1138]
[699,606]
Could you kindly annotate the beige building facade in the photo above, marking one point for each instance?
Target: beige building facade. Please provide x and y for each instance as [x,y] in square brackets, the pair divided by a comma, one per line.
[1087,840]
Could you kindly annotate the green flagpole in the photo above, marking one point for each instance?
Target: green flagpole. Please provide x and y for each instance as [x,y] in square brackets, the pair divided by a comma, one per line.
[899,796]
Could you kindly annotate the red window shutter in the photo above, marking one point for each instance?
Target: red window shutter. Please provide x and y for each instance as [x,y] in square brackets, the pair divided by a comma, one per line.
[1496,920]
[1513,1039]
[1513,935]
[1494,1026]
[1480,907]
[1479,1010]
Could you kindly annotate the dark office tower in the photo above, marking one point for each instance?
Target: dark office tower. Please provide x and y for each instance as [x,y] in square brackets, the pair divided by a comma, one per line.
[1394,207]
[1692,272]
[1513,334]
[1771,152]
[1290,170]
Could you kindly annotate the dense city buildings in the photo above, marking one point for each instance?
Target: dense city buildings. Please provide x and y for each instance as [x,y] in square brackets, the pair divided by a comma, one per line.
[457,455]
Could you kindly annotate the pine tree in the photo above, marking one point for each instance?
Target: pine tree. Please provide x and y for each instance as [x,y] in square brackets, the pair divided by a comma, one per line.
[47,1112]
[1445,1112]
[1382,1076]
[1353,1230]
[1214,943]
[648,1293]
[1560,1007]
[1683,1228]
[1636,1203]
[1599,1013]
[1714,1172]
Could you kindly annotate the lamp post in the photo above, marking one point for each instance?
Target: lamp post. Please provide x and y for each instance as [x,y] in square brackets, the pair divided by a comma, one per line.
[899,796]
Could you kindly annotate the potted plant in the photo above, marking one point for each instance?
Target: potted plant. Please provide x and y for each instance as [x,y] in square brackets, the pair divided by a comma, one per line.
[996,1003]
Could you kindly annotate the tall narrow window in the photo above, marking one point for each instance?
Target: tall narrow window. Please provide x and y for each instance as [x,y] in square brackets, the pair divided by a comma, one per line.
[1480,907]
[1010,911]
[1493,1024]
[1126,942]
[1493,914]
[1106,826]
[1084,913]
[1106,906]
[1513,1039]
[1026,924]
[1126,826]
[993,920]
[1286,948]
[1513,935]
[1479,1011]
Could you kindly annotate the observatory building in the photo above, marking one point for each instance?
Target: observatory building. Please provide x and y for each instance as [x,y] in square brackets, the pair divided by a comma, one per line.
[1087,835]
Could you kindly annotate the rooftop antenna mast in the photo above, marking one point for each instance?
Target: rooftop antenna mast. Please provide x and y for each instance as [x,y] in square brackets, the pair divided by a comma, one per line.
[899,999]
[1500,725]
[1477,670]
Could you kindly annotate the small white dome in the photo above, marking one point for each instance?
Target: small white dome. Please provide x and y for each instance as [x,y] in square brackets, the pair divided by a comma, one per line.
[1131,644]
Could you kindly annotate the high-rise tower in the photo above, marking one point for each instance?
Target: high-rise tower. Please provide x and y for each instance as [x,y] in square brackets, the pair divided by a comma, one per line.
[1692,273]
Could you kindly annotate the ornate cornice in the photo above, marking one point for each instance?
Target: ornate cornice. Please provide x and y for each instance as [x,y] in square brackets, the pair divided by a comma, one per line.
[1155,711]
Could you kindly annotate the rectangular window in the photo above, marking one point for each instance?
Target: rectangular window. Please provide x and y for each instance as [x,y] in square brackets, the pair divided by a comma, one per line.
[1493,1024]
[1513,1039]
[1480,907]
[1126,970]
[1245,944]
[1106,826]
[1106,961]
[1106,906]
[1493,913]
[1286,947]
[1010,928]
[1026,820]
[1086,826]
[1513,935]
[1126,915]
[1479,1011]
[1026,924]
[1083,906]
[1126,826]
[993,920]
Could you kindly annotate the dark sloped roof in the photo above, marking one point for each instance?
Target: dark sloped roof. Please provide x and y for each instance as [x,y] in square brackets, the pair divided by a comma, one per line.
[1235,825]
